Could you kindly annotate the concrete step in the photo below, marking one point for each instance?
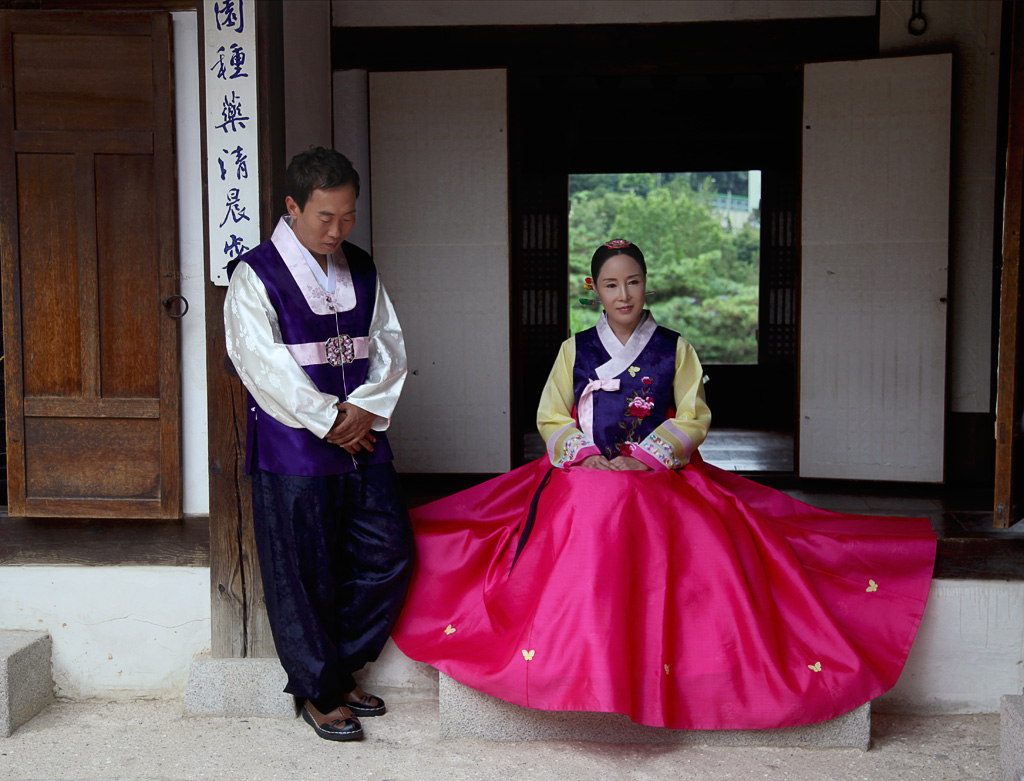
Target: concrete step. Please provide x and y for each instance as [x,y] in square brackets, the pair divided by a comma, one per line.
[238,687]
[26,680]
[467,713]
[1011,737]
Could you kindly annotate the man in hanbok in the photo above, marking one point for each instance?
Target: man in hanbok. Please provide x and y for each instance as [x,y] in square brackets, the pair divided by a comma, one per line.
[314,338]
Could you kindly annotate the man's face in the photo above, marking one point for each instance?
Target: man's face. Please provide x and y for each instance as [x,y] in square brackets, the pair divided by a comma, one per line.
[328,218]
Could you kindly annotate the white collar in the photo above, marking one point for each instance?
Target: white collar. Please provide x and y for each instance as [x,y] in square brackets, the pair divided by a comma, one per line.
[310,278]
[623,355]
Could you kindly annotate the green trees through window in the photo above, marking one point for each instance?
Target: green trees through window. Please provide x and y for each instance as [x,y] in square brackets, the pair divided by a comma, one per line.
[700,234]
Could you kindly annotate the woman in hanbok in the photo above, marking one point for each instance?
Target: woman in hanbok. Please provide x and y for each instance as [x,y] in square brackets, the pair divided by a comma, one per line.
[622,574]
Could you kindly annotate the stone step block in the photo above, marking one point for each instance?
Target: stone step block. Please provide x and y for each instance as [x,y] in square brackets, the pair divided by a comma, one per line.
[467,713]
[1011,737]
[238,687]
[26,678]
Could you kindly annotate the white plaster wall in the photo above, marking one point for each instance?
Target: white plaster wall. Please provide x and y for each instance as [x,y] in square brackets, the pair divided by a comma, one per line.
[191,244]
[970,29]
[416,13]
[969,650]
[118,632]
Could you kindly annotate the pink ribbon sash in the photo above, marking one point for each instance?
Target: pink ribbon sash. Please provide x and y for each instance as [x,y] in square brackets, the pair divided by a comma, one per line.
[585,408]
[312,353]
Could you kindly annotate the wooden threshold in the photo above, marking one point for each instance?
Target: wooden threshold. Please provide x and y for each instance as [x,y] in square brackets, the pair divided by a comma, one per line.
[105,542]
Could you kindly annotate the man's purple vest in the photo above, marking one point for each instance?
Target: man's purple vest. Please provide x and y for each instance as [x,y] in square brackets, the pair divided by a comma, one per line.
[298,451]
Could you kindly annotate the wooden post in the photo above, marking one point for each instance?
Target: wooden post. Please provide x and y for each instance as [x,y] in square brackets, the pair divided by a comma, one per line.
[1008,388]
[239,624]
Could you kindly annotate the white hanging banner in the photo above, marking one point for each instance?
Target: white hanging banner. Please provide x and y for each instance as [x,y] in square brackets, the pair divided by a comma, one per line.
[232,169]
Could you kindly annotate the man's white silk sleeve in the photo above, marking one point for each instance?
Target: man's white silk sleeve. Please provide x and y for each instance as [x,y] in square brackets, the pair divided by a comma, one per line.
[276,381]
[388,366]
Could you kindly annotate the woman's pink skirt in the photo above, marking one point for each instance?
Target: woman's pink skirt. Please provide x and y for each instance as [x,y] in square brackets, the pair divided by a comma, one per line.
[693,599]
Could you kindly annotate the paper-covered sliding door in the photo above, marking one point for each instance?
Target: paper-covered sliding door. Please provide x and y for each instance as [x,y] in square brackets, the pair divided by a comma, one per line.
[875,226]
[439,168]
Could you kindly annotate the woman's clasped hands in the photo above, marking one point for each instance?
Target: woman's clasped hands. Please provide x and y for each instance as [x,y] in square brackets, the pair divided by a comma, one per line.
[617,464]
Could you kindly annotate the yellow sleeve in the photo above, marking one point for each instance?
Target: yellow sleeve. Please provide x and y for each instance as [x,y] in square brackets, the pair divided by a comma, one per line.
[566,443]
[670,445]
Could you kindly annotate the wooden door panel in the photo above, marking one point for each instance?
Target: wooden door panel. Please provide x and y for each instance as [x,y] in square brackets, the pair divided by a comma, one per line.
[89,252]
[82,82]
[874,238]
[111,458]
[421,123]
[129,279]
[47,232]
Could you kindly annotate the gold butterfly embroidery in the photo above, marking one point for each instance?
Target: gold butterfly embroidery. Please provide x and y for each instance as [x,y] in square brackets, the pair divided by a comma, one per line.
[528,655]
[633,370]
[872,586]
[816,667]
[666,669]
[449,630]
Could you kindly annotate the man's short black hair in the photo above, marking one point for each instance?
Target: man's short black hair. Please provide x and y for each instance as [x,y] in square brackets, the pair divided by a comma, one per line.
[318,169]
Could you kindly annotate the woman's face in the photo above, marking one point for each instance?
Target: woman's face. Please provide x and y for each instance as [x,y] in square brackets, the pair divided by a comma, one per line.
[621,286]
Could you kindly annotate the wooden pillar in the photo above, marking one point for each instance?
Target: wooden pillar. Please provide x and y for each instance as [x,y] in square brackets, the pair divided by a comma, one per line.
[1009,389]
[239,624]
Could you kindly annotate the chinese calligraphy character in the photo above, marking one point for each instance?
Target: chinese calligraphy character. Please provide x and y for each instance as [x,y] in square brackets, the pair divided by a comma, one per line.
[235,210]
[219,66]
[232,113]
[236,61]
[241,163]
[234,247]
[227,15]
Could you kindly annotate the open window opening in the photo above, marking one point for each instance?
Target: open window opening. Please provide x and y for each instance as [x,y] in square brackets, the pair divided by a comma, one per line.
[700,233]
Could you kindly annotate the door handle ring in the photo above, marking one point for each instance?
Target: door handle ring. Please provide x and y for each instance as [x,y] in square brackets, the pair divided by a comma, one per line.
[170,300]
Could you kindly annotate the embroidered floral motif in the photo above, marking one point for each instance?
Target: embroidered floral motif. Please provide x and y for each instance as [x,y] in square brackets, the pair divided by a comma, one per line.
[528,655]
[816,667]
[872,586]
[666,669]
[638,406]
[572,446]
[449,630]
[661,449]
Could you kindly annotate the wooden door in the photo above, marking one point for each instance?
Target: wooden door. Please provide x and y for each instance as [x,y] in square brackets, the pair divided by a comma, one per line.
[439,164]
[874,268]
[88,239]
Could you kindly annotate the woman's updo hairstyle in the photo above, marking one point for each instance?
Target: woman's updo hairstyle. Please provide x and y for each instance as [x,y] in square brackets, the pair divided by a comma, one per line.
[612,248]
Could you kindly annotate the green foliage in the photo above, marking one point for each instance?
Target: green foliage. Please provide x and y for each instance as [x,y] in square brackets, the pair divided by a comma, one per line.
[705,277]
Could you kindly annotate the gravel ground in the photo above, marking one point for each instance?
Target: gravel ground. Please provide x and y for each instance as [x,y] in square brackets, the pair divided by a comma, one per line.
[153,741]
